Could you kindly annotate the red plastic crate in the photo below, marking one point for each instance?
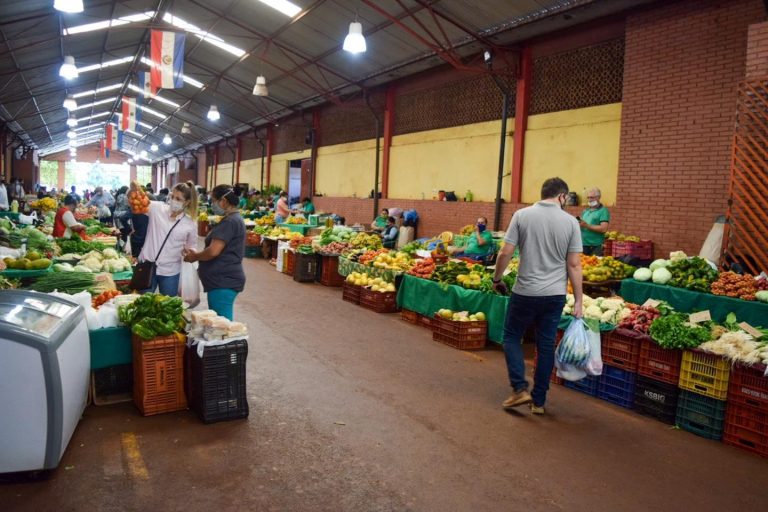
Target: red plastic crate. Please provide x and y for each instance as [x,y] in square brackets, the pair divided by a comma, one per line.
[746,428]
[409,316]
[748,387]
[158,374]
[289,262]
[329,271]
[351,293]
[377,301]
[658,363]
[642,250]
[425,321]
[460,335]
[620,351]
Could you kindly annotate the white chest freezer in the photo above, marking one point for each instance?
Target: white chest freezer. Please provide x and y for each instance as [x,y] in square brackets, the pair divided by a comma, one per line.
[44,370]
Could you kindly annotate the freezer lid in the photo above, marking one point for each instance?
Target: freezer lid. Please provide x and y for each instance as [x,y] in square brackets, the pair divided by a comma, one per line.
[36,315]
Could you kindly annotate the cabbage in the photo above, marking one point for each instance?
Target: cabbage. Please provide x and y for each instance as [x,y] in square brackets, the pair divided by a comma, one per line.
[92,263]
[658,264]
[110,254]
[62,267]
[81,268]
[642,274]
[661,276]
[762,295]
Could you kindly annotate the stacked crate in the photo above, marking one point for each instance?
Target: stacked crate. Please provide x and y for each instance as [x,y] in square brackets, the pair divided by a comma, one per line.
[620,352]
[746,421]
[658,375]
[704,384]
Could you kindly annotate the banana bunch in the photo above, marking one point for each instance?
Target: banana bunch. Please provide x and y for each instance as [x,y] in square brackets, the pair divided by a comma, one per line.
[362,240]
[400,261]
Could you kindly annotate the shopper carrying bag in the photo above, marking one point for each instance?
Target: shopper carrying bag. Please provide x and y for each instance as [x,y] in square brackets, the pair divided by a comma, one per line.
[144,271]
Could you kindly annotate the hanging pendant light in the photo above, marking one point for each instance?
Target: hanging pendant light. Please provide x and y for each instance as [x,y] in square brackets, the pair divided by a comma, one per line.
[185,128]
[69,6]
[130,160]
[213,113]
[355,41]
[71,121]
[143,154]
[72,134]
[260,89]
[68,70]
[153,148]
[70,103]
[167,139]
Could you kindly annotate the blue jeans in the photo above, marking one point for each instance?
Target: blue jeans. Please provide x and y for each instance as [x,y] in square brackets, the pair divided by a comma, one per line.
[543,313]
[168,285]
[222,301]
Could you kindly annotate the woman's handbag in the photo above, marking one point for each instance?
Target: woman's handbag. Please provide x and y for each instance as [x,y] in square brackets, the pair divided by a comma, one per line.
[144,271]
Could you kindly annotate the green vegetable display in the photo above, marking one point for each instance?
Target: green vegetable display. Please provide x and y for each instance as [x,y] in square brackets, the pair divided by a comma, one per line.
[65,282]
[78,246]
[153,315]
[692,273]
[411,248]
[674,331]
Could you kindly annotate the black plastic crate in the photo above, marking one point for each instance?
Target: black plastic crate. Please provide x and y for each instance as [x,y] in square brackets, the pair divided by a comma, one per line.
[700,415]
[617,386]
[113,384]
[656,399]
[305,268]
[586,385]
[217,382]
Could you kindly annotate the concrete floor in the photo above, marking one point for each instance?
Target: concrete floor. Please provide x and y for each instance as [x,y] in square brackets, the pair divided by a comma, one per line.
[357,411]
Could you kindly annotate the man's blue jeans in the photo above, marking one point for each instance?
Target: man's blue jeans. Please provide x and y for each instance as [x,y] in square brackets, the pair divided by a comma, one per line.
[543,313]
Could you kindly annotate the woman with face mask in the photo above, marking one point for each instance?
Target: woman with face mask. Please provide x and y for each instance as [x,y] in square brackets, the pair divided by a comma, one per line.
[221,262]
[594,223]
[174,224]
[480,243]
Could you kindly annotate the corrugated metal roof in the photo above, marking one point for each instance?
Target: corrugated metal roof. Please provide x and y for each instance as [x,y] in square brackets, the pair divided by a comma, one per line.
[301,57]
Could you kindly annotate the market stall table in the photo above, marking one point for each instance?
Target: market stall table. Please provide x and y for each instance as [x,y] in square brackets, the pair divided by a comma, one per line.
[427,297]
[687,301]
[297,228]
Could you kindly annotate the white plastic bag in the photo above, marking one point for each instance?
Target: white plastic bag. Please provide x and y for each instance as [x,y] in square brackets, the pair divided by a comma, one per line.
[574,351]
[595,363]
[107,316]
[127,246]
[189,284]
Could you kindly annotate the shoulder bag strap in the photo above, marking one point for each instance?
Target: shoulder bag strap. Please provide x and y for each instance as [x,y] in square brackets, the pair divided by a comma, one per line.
[157,256]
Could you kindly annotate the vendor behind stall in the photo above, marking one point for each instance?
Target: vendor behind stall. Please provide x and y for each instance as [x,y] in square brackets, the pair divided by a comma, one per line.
[65,223]
[594,223]
[380,222]
[282,211]
[390,234]
[307,207]
[479,244]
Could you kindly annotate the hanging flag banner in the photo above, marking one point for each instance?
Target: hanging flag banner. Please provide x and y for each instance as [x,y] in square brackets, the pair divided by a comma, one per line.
[145,84]
[167,51]
[130,114]
[114,139]
[102,148]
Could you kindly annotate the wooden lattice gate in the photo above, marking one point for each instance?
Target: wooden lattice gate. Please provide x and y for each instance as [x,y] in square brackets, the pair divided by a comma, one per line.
[746,230]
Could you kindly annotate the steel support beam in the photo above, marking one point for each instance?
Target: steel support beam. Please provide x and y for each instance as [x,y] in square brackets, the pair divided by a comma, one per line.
[523,101]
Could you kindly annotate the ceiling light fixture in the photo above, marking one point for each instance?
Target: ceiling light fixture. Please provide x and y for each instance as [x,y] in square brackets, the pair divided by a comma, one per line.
[284,6]
[105,24]
[72,134]
[68,5]
[167,139]
[97,91]
[213,113]
[185,128]
[260,89]
[107,64]
[70,103]
[153,148]
[143,154]
[130,160]
[71,121]
[68,70]
[355,41]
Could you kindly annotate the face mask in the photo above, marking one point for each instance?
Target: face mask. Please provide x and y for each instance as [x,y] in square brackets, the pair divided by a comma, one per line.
[217,209]
[481,227]
[176,206]
[592,204]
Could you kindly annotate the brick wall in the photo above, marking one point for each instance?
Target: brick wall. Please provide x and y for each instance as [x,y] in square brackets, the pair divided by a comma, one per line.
[434,216]
[757,51]
[682,64]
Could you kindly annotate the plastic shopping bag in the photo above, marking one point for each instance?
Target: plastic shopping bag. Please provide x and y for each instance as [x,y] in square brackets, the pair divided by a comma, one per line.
[573,353]
[595,363]
[189,284]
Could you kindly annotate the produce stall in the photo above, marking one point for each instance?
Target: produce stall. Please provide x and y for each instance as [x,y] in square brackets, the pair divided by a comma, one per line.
[427,297]
[755,313]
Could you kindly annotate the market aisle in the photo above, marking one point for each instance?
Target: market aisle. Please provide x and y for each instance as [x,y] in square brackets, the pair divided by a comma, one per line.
[356,411]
